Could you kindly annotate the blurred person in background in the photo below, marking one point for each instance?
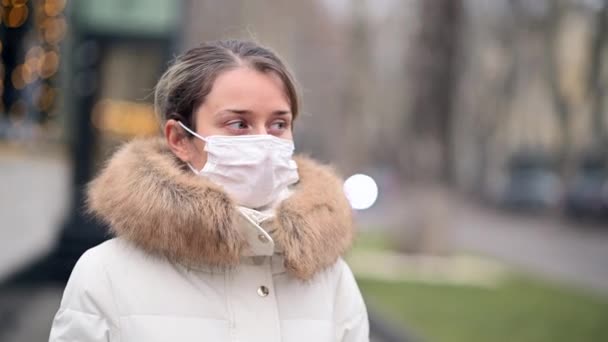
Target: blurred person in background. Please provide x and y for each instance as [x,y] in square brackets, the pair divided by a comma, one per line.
[220,234]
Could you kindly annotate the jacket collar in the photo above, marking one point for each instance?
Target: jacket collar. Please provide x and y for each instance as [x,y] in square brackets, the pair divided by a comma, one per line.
[147,196]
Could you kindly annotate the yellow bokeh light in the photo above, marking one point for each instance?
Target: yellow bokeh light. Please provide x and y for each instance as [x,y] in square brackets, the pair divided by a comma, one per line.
[53,8]
[48,64]
[17,77]
[32,64]
[15,16]
[32,58]
[34,52]
[54,29]
[28,74]
[18,3]
[125,118]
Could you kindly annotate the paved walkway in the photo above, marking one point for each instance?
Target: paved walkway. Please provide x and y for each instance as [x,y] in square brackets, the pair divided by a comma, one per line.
[555,248]
[565,251]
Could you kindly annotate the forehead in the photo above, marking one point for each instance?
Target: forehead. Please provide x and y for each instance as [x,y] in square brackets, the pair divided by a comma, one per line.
[250,88]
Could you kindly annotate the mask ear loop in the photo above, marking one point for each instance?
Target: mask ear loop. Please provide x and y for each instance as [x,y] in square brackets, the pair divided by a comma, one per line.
[192,132]
[196,135]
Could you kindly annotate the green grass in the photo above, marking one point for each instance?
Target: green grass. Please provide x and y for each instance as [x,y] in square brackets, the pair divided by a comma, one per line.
[520,309]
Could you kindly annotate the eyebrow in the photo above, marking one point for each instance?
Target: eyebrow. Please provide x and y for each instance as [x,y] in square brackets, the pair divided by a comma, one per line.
[248,112]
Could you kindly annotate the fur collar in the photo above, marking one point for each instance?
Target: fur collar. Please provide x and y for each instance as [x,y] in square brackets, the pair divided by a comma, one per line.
[148,197]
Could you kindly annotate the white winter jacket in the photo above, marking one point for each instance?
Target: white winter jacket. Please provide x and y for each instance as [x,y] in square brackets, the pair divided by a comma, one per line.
[187,265]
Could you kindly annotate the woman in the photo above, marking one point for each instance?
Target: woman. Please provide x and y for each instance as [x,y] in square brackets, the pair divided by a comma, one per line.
[220,234]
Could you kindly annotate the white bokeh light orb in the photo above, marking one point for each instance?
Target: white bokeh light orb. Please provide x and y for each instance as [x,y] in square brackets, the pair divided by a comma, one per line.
[361,191]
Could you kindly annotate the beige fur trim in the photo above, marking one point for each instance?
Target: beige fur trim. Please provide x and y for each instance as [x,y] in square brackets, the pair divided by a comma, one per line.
[148,197]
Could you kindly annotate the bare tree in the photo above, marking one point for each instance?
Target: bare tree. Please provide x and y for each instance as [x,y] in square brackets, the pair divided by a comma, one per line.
[596,85]
[431,70]
[549,26]
[354,91]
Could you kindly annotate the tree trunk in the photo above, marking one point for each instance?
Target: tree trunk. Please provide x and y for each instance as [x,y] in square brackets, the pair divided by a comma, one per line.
[596,87]
[432,64]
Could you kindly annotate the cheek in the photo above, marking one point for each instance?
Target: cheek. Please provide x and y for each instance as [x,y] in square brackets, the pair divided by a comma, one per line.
[287,134]
[198,156]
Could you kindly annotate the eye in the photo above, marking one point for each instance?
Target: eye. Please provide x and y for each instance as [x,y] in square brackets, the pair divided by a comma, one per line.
[279,125]
[237,125]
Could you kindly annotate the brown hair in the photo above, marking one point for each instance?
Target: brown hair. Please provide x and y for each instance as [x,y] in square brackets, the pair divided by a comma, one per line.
[189,79]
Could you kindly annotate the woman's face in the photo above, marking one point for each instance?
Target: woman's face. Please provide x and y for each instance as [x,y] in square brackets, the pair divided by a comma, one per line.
[242,101]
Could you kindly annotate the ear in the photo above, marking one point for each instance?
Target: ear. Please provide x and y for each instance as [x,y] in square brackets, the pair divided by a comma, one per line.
[177,140]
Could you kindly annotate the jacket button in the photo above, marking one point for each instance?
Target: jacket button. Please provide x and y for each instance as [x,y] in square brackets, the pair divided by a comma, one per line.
[263,238]
[263,291]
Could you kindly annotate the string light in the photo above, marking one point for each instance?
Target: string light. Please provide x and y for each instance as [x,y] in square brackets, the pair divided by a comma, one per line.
[53,29]
[40,63]
[34,52]
[32,59]
[18,3]
[43,60]
[17,77]
[16,15]
[53,8]
[28,74]
[48,64]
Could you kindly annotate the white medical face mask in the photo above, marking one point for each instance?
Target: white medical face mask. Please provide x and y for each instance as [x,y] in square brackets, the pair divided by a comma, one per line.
[253,169]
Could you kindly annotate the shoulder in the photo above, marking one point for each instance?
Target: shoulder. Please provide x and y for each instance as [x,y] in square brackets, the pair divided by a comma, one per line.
[90,271]
[114,260]
[338,270]
[340,276]
[344,276]
[91,263]
[105,270]
[89,289]
[115,257]
[99,257]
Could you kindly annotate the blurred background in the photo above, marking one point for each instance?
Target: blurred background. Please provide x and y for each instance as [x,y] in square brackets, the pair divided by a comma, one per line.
[475,132]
